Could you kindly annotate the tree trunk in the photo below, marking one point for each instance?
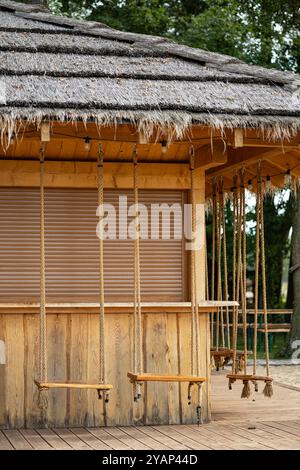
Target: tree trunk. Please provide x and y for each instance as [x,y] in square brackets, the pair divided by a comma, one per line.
[295,329]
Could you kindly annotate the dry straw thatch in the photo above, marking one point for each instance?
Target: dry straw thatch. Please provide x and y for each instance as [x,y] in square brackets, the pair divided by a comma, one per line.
[65,69]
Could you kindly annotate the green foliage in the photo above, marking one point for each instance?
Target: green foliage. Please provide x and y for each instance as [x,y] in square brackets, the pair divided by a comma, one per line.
[262,32]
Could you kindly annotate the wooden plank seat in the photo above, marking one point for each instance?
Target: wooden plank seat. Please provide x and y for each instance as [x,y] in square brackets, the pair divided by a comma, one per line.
[99,387]
[139,379]
[222,357]
[164,378]
[250,377]
[227,352]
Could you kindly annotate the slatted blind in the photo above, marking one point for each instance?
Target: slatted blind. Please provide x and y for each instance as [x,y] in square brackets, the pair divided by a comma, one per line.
[72,249]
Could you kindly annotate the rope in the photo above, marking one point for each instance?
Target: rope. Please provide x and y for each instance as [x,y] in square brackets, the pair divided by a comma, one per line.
[43,402]
[138,351]
[235,309]
[268,390]
[219,255]
[206,269]
[102,365]
[213,261]
[225,266]
[239,262]
[244,272]
[256,282]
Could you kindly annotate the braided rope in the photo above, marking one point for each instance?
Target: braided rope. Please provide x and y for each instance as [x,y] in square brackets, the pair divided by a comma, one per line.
[239,265]
[138,346]
[206,270]
[244,270]
[222,197]
[43,318]
[219,251]
[43,361]
[235,309]
[263,279]
[102,365]
[219,263]
[213,261]
[256,282]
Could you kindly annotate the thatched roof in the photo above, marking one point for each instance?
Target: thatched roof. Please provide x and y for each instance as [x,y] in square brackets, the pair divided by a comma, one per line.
[61,68]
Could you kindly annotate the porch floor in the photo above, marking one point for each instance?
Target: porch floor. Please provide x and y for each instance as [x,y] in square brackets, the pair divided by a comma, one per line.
[262,424]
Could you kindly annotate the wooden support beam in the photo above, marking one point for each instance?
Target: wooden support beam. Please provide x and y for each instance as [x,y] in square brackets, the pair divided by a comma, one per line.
[211,155]
[45,132]
[84,175]
[289,163]
[236,138]
[238,159]
[206,306]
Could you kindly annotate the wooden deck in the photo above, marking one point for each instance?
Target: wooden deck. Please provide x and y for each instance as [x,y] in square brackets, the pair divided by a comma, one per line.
[262,424]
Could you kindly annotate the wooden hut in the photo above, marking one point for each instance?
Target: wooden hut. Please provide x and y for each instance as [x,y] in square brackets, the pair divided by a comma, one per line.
[75,87]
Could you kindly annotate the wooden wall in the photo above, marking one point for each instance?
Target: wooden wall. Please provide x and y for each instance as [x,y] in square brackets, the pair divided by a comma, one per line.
[72,353]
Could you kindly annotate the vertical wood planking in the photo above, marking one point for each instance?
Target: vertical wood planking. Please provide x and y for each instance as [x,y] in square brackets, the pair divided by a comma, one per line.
[57,328]
[172,356]
[118,345]
[31,367]
[15,370]
[78,369]
[3,373]
[187,412]
[95,406]
[73,347]
[156,395]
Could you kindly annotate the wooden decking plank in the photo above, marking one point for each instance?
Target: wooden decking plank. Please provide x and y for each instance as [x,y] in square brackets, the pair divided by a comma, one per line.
[293,424]
[284,427]
[272,432]
[70,438]
[237,436]
[186,440]
[166,440]
[35,440]
[224,440]
[17,440]
[89,439]
[108,439]
[267,432]
[134,444]
[271,441]
[53,439]
[136,433]
[4,442]
[197,436]
[215,435]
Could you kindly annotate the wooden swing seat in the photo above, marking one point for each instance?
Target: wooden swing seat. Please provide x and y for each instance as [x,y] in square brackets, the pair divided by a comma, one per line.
[227,353]
[263,378]
[164,378]
[92,386]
